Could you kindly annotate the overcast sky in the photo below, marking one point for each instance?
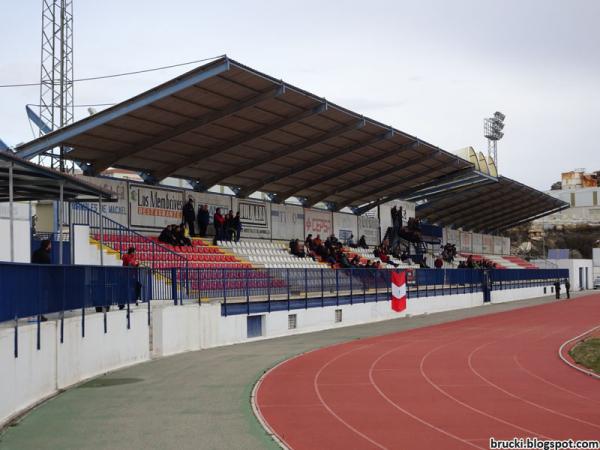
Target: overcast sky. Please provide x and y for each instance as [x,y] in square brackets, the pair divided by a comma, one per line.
[432,68]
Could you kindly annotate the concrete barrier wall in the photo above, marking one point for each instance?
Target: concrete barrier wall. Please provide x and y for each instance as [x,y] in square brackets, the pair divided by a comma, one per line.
[38,374]
[98,352]
[31,377]
[513,295]
[177,329]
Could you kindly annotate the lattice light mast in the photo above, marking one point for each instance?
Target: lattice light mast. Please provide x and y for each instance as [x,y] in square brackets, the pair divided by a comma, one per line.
[56,79]
[492,130]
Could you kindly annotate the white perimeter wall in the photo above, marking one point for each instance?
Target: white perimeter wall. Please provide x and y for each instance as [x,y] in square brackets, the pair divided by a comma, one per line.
[37,374]
[574,265]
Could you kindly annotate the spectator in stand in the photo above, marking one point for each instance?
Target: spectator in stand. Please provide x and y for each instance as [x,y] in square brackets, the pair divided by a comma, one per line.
[343,260]
[166,236]
[355,262]
[317,241]
[362,242]
[438,263]
[309,242]
[42,254]
[350,242]
[219,224]
[237,226]
[462,265]
[203,219]
[298,249]
[189,215]
[331,257]
[229,225]
[180,238]
[130,259]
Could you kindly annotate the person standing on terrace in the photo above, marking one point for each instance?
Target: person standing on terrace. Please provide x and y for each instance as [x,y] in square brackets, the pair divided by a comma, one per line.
[203,219]
[219,223]
[189,215]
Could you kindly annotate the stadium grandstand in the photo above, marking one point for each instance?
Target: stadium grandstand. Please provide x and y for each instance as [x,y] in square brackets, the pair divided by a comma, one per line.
[332,204]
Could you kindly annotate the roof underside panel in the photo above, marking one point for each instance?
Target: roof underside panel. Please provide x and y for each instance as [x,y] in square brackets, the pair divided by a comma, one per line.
[489,207]
[224,123]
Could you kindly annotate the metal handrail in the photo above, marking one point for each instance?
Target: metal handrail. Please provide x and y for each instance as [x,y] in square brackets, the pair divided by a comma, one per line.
[106,223]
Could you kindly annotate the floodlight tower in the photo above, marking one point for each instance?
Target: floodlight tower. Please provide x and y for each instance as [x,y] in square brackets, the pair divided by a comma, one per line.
[56,77]
[492,130]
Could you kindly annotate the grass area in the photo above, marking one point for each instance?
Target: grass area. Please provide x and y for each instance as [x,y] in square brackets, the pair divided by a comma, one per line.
[587,353]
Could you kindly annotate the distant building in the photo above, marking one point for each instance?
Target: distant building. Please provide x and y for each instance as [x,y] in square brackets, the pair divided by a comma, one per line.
[582,191]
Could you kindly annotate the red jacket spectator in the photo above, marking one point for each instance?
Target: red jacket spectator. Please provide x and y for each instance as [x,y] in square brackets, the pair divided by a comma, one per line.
[129,258]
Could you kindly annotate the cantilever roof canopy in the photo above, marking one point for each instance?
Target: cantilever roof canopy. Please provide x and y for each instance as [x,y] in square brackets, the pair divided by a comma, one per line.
[489,207]
[225,123]
[34,182]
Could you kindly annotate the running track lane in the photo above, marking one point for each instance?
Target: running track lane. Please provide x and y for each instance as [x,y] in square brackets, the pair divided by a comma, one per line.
[449,386]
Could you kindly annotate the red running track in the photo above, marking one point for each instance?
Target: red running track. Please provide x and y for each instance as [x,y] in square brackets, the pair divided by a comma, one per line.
[449,386]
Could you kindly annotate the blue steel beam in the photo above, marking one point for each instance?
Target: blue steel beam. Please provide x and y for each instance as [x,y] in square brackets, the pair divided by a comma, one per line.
[37,120]
[58,137]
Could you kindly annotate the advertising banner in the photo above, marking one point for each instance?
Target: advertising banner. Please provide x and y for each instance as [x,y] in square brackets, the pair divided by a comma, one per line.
[506,246]
[487,244]
[498,241]
[344,226]
[477,243]
[255,216]
[287,222]
[153,208]
[117,211]
[369,228]
[453,237]
[318,222]
[466,242]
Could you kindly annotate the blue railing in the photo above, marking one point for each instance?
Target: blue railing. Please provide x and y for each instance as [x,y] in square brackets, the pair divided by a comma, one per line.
[30,290]
[33,290]
[253,290]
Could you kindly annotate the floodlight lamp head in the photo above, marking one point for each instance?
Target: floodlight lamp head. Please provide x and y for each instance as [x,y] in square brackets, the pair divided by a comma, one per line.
[499,115]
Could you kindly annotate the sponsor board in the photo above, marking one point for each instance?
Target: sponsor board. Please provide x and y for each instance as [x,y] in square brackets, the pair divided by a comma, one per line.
[318,222]
[506,246]
[369,228]
[477,243]
[344,226]
[498,241]
[466,242]
[117,211]
[287,222]
[255,216]
[487,245]
[453,237]
[154,208]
